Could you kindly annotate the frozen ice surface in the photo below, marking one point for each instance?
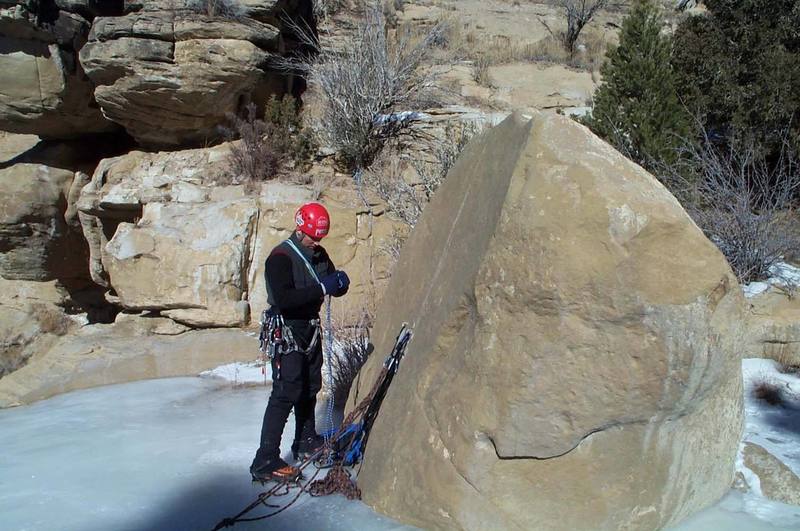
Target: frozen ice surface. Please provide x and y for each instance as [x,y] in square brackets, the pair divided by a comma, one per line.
[775,428]
[169,454]
[743,512]
[173,454]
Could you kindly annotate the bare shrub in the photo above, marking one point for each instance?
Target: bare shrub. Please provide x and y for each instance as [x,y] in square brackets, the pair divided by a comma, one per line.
[445,153]
[254,159]
[392,244]
[407,198]
[51,320]
[480,70]
[366,85]
[350,351]
[386,178]
[789,368]
[327,8]
[268,143]
[577,14]
[740,201]
[770,391]
[216,8]
[319,183]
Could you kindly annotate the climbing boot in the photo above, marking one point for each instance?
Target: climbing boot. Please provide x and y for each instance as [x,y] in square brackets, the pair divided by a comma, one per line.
[305,448]
[276,470]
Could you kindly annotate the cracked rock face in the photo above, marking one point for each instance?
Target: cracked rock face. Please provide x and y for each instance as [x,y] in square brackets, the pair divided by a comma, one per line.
[190,260]
[183,71]
[38,241]
[43,89]
[164,238]
[269,11]
[574,362]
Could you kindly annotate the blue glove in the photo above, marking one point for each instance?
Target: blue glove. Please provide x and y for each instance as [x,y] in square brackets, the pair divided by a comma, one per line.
[336,283]
[344,283]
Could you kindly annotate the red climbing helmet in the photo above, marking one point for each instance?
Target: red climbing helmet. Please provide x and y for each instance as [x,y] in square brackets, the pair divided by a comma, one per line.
[313,220]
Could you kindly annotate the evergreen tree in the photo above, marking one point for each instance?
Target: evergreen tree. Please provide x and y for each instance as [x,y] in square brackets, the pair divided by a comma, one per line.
[738,68]
[637,107]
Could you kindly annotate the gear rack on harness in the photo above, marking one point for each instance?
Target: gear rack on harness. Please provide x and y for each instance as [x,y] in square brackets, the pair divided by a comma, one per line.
[345,447]
[276,339]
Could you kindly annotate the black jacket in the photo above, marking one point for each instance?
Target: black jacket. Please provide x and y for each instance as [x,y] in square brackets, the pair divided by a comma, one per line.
[291,288]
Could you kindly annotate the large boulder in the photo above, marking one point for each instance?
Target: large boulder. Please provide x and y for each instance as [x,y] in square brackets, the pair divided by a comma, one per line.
[183,70]
[43,89]
[574,360]
[164,239]
[37,240]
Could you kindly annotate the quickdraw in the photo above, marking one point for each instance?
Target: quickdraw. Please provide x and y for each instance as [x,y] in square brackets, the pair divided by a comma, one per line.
[276,339]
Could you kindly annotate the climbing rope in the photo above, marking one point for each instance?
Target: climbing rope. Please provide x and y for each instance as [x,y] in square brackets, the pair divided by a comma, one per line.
[337,480]
[355,430]
[329,427]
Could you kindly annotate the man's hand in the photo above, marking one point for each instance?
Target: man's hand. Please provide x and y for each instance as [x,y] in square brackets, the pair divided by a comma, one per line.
[336,283]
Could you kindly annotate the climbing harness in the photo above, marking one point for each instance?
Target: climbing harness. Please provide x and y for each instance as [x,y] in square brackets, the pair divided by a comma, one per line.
[276,339]
[346,445]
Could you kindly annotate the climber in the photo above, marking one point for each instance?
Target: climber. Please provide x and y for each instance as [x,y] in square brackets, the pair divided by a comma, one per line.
[299,275]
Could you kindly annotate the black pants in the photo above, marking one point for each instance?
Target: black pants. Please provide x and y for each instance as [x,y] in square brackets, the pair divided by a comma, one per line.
[297,387]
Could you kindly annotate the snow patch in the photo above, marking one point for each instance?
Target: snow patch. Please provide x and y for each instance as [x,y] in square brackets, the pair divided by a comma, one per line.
[781,274]
[242,373]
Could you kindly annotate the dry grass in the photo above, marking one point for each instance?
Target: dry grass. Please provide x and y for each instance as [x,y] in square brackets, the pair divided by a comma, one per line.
[216,8]
[351,350]
[323,9]
[772,392]
[480,71]
[459,42]
[392,244]
[589,54]
[51,320]
[407,186]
